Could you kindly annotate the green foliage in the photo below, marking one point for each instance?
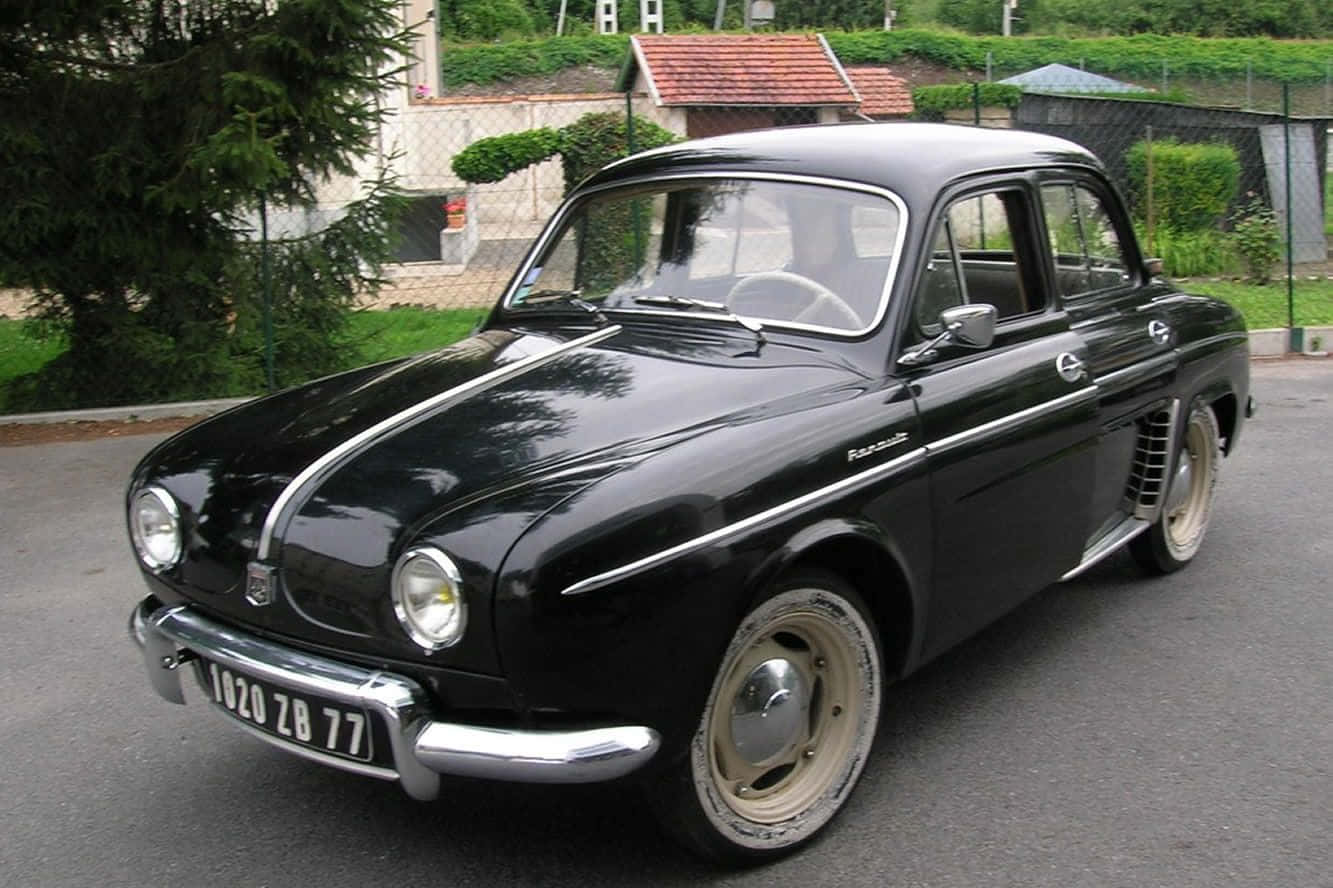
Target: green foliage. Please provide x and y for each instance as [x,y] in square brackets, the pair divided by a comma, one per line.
[931,102]
[135,135]
[1208,251]
[371,336]
[1193,183]
[490,63]
[594,140]
[1266,307]
[1255,232]
[491,159]
[586,145]
[486,19]
[1140,56]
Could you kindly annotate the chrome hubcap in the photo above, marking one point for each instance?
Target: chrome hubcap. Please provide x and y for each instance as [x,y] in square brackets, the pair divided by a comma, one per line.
[1180,484]
[769,711]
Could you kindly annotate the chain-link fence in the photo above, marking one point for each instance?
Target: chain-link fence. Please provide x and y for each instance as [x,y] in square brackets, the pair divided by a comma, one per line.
[1227,179]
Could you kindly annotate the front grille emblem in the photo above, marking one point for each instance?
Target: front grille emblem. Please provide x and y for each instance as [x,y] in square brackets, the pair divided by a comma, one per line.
[259,584]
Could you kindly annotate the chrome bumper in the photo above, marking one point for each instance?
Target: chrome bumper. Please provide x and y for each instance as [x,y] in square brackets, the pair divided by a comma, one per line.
[422,747]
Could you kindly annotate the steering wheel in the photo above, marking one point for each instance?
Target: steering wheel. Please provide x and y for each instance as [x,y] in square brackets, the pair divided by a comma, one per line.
[820,295]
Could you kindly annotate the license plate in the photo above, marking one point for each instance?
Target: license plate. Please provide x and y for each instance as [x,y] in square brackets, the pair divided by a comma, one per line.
[303,719]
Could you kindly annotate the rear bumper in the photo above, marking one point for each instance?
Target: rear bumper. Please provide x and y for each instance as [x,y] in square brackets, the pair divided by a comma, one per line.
[422,746]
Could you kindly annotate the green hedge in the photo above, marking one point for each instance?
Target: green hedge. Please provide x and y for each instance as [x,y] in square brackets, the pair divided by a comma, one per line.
[490,160]
[1193,183]
[931,102]
[585,146]
[1140,56]
[491,62]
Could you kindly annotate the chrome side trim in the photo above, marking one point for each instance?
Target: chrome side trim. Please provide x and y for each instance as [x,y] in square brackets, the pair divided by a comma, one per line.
[883,470]
[421,746]
[325,462]
[1146,367]
[1108,543]
[1013,420]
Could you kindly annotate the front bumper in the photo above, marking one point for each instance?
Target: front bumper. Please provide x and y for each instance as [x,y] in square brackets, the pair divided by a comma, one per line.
[422,746]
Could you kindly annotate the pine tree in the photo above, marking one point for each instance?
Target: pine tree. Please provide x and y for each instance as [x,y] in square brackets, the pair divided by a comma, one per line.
[134,137]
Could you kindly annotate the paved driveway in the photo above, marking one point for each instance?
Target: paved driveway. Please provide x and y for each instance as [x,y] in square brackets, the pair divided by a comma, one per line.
[1113,731]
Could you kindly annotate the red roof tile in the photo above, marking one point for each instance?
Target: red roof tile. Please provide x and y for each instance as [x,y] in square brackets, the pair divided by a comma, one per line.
[881,92]
[742,69]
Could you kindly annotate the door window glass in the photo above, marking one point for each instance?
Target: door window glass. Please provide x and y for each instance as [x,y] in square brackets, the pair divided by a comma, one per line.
[1087,251]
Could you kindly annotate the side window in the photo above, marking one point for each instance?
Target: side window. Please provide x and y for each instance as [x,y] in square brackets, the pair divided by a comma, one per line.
[979,241]
[939,288]
[1087,251]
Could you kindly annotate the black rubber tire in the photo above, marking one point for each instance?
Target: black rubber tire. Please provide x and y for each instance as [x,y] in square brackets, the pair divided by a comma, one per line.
[705,808]
[1174,539]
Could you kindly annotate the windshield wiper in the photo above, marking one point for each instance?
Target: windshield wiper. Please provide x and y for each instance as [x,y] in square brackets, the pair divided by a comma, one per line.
[564,297]
[686,302]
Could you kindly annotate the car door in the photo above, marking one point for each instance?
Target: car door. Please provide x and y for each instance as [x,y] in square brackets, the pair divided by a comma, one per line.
[1119,312]
[1009,429]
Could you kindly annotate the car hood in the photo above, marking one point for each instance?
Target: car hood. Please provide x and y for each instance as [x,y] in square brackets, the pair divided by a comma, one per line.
[340,474]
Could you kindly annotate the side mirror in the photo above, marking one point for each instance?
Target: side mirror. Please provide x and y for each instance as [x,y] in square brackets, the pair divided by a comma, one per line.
[972,326]
[1152,267]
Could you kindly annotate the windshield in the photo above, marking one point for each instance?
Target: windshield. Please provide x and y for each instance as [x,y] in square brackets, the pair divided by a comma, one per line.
[782,253]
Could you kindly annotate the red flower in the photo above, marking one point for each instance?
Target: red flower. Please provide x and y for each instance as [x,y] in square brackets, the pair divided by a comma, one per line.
[457,205]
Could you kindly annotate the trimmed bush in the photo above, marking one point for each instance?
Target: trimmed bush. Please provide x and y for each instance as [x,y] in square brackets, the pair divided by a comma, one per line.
[490,160]
[931,102]
[1193,183]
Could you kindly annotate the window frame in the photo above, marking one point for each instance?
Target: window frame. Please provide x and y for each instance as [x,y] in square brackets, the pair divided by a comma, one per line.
[556,224]
[1103,191]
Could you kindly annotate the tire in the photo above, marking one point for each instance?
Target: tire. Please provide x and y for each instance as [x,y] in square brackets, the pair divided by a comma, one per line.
[787,727]
[1174,539]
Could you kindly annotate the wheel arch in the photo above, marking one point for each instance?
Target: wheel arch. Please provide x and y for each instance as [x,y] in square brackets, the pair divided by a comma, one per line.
[858,552]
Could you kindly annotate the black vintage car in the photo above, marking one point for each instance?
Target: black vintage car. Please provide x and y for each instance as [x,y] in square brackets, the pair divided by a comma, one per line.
[762,424]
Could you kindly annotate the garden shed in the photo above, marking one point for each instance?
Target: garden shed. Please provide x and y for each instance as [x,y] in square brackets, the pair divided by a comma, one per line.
[711,84]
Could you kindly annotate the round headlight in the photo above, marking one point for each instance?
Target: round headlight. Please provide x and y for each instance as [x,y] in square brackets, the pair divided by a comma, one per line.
[156,528]
[428,598]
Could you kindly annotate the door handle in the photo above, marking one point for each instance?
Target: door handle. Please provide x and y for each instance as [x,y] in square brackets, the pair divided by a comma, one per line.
[1159,332]
[1070,368]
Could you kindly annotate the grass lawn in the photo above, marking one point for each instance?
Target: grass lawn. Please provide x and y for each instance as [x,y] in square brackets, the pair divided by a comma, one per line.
[406,331]
[381,334]
[1266,306]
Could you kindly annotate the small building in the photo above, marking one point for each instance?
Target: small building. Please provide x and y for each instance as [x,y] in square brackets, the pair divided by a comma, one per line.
[722,83]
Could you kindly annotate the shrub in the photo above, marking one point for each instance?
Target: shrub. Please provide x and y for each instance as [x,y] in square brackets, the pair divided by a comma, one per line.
[490,160]
[931,102]
[1192,253]
[585,146]
[1255,233]
[1193,183]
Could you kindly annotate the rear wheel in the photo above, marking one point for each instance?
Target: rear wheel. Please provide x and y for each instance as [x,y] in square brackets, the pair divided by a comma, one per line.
[787,726]
[1175,538]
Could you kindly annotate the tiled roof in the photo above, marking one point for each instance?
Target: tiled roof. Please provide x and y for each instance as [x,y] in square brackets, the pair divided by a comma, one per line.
[881,92]
[741,69]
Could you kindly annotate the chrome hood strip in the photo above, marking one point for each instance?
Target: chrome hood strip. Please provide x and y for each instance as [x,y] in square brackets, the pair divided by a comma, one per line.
[320,466]
[883,470]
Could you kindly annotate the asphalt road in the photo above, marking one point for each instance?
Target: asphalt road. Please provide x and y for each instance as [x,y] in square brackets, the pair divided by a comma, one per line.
[1114,731]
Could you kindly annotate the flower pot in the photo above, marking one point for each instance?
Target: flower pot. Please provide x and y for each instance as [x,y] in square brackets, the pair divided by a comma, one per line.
[457,220]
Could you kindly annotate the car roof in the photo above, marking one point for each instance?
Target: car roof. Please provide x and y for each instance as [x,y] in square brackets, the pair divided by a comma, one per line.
[914,160]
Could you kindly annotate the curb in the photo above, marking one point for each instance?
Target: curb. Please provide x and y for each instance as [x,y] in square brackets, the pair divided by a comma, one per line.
[125,414]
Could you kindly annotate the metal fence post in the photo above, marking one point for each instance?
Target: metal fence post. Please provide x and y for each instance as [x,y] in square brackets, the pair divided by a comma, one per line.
[976,104]
[1149,219]
[1293,334]
[266,284]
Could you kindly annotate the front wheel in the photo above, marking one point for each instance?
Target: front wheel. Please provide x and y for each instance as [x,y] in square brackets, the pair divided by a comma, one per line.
[787,727]
[1175,538]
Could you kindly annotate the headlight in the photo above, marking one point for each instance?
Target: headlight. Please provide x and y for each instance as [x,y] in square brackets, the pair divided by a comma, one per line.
[156,528]
[428,598]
